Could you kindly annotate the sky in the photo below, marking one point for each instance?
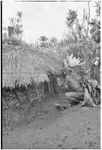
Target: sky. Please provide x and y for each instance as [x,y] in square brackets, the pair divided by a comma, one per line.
[43,18]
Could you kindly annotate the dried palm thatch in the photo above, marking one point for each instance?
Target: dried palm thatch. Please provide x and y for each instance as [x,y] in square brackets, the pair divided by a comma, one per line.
[21,64]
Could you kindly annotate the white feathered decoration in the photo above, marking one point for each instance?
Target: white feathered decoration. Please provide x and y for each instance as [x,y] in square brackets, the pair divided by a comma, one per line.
[72,61]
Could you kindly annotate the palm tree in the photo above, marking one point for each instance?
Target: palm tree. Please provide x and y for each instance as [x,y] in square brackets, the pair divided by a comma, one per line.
[72,16]
[72,20]
[53,42]
[43,41]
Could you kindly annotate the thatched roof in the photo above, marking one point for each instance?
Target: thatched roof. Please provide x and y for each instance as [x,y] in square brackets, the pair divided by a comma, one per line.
[21,64]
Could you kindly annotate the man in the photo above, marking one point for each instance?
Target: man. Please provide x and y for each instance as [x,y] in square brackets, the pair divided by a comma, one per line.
[74,92]
[86,93]
[72,80]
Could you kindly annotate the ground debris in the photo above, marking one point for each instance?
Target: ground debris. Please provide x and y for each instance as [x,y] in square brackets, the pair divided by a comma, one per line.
[61,106]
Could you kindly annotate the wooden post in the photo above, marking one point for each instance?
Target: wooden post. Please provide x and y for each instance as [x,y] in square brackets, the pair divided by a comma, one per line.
[38,94]
[49,86]
[42,87]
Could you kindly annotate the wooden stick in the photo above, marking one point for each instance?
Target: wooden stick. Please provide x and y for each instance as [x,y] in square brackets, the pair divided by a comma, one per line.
[4,101]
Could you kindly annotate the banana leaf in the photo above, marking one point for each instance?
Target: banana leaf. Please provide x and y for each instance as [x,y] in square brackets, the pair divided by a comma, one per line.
[88,99]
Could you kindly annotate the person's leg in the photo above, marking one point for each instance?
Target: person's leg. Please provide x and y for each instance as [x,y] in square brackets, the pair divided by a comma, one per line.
[74,97]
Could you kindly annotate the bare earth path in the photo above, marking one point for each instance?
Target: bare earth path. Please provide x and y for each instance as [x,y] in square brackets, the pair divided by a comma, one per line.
[76,128]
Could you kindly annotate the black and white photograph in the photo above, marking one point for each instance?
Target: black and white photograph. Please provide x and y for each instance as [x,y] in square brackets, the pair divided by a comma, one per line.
[50,74]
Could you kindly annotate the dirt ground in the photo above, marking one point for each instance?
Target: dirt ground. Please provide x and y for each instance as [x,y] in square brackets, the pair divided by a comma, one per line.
[42,126]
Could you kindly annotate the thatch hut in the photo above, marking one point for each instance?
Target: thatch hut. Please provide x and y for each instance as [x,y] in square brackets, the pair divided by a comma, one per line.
[21,65]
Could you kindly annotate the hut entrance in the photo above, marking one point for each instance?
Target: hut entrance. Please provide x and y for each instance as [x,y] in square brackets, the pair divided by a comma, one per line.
[51,86]
[52,83]
[46,87]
